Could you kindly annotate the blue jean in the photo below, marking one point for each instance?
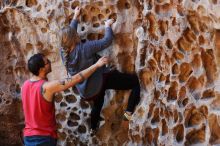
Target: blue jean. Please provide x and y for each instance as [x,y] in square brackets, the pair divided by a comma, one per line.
[39,141]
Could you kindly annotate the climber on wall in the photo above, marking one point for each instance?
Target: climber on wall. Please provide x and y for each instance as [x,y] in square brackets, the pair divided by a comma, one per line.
[37,99]
[78,56]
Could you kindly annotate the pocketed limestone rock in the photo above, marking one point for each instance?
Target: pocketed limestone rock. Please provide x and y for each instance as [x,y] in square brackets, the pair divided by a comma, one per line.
[173,46]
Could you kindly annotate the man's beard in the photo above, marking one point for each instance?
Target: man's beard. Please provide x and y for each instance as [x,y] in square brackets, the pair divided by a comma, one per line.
[49,70]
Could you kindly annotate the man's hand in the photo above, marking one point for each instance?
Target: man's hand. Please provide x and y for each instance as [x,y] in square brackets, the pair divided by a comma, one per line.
[109,22]
[76,12]
[102,61]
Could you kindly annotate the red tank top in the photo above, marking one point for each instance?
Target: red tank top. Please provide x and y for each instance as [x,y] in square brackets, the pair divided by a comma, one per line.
[39,113]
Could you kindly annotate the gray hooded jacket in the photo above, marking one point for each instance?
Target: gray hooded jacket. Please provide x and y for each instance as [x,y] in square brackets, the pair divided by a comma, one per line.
[83,56]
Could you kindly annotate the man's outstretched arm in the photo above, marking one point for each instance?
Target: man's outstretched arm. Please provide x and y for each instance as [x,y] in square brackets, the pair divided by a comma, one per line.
[51,87]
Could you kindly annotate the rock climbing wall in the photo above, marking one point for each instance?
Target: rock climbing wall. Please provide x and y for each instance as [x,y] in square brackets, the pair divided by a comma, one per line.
[171,44]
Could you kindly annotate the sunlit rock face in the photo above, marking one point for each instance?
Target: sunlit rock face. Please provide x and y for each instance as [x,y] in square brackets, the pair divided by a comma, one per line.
[172,45]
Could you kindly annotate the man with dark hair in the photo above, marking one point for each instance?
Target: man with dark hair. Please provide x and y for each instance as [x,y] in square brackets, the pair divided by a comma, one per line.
[37,99]
[36,62]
